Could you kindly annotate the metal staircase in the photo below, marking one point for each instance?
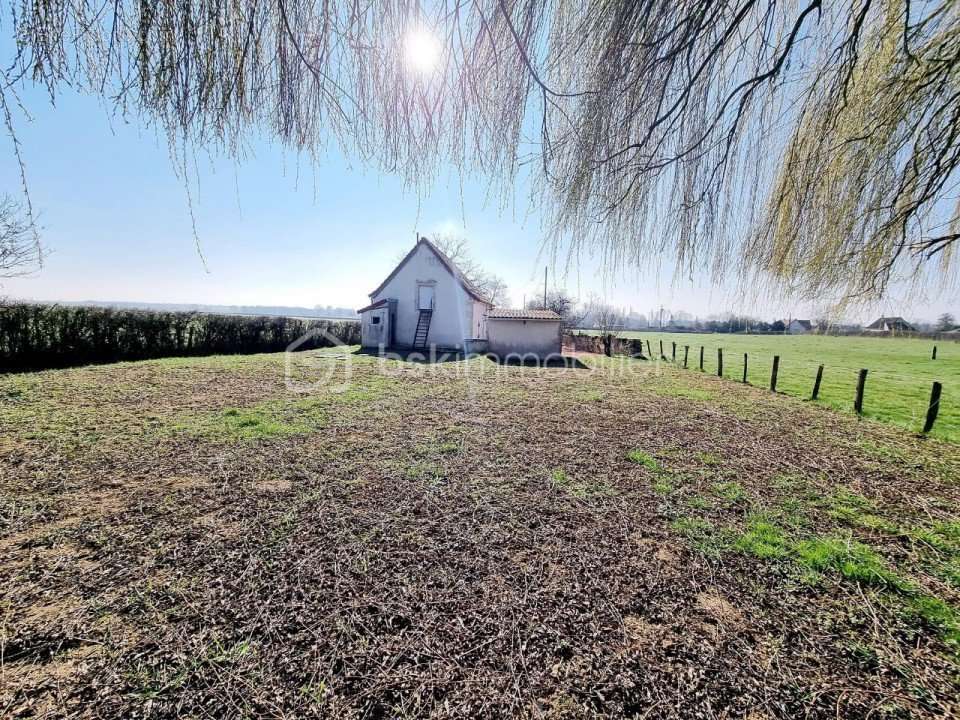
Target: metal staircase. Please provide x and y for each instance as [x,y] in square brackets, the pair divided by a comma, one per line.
[423,329]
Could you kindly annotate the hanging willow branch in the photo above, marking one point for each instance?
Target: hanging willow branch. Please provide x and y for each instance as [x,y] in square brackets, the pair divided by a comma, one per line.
[810,142]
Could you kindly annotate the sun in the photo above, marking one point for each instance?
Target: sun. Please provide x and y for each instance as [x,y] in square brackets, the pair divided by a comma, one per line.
[422,51]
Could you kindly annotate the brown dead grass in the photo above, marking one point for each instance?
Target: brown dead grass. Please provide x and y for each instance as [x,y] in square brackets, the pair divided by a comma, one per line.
[417,556]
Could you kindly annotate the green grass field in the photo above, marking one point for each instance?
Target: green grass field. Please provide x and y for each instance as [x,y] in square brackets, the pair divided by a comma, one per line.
[901,371]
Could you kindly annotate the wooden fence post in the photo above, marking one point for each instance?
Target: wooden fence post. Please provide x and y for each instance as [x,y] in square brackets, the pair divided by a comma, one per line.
[662,356]
[701,358]
[686,351]
[719,362]
[934,407]
[774,373]
[858,401]
[649,350]
[816,383]
[744,368]
[934,353]
[673,352]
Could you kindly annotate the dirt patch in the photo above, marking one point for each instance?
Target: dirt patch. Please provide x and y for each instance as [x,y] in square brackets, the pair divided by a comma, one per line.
[47,684]
[667,557]
[52,614]
[220,523]
[639,632]
[719,609]
[275,485]
[184,482]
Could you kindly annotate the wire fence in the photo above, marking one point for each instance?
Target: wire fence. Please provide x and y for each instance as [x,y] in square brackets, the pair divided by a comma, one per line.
[904,382]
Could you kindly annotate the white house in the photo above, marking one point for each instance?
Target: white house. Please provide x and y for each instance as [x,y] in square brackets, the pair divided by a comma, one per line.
[425,301]
[799,327]
[428,302]
[890,324]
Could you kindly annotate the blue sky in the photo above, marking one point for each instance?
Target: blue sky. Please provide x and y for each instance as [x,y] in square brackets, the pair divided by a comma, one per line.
[274,230]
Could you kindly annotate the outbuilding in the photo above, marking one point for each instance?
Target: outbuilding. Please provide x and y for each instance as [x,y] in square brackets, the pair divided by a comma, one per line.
[523,333]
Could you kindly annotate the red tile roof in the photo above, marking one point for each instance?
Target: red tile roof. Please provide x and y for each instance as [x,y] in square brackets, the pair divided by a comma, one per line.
[514,314]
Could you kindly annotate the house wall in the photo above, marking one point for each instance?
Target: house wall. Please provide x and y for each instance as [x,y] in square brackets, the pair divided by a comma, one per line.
[454,310]
[373,335]
[537,337]
[479,324]
[796,328]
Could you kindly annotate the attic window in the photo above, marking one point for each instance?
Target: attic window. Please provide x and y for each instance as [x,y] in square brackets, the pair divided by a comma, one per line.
[375,320]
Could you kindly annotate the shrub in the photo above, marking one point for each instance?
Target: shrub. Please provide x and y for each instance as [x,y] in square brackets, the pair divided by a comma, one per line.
[47,336]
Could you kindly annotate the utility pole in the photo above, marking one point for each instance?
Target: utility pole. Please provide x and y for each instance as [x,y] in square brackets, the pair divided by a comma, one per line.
[544,287]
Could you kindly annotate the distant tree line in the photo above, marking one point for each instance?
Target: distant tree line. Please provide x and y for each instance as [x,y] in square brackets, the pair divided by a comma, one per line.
[325,312]
[46,336]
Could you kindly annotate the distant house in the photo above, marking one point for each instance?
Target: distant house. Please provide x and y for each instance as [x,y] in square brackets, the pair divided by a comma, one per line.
[426,301]
[799,327]
[890,324]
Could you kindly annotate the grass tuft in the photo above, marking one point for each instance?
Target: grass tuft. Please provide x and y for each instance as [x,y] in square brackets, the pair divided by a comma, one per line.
[853,560]
[940,615]
[701,535]
[855,509]
[662,486]
[709,459]
[732,492]
[641,458]
[762,539]
[942,536]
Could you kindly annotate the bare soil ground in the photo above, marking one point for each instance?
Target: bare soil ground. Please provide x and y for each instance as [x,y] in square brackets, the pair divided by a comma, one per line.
[190,538]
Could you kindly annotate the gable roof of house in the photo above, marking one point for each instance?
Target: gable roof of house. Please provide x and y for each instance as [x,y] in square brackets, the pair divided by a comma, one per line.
[896,321]
[804,323]
[472,290]
[513,314]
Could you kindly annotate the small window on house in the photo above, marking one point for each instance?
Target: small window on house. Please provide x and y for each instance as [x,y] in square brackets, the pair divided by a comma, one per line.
[375,319]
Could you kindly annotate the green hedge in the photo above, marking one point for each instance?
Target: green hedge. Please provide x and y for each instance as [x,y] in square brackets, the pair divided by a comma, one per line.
[48,336]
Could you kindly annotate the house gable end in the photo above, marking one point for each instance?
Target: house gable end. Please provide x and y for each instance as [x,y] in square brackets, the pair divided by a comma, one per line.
[445,262]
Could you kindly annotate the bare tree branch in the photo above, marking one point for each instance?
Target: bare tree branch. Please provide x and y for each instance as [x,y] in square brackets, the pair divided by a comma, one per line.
[457,248]
[20,250]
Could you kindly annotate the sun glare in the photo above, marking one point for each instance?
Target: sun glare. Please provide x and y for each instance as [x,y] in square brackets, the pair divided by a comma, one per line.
[422,51]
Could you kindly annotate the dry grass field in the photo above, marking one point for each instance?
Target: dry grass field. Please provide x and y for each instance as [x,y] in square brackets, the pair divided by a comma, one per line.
[190,538]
